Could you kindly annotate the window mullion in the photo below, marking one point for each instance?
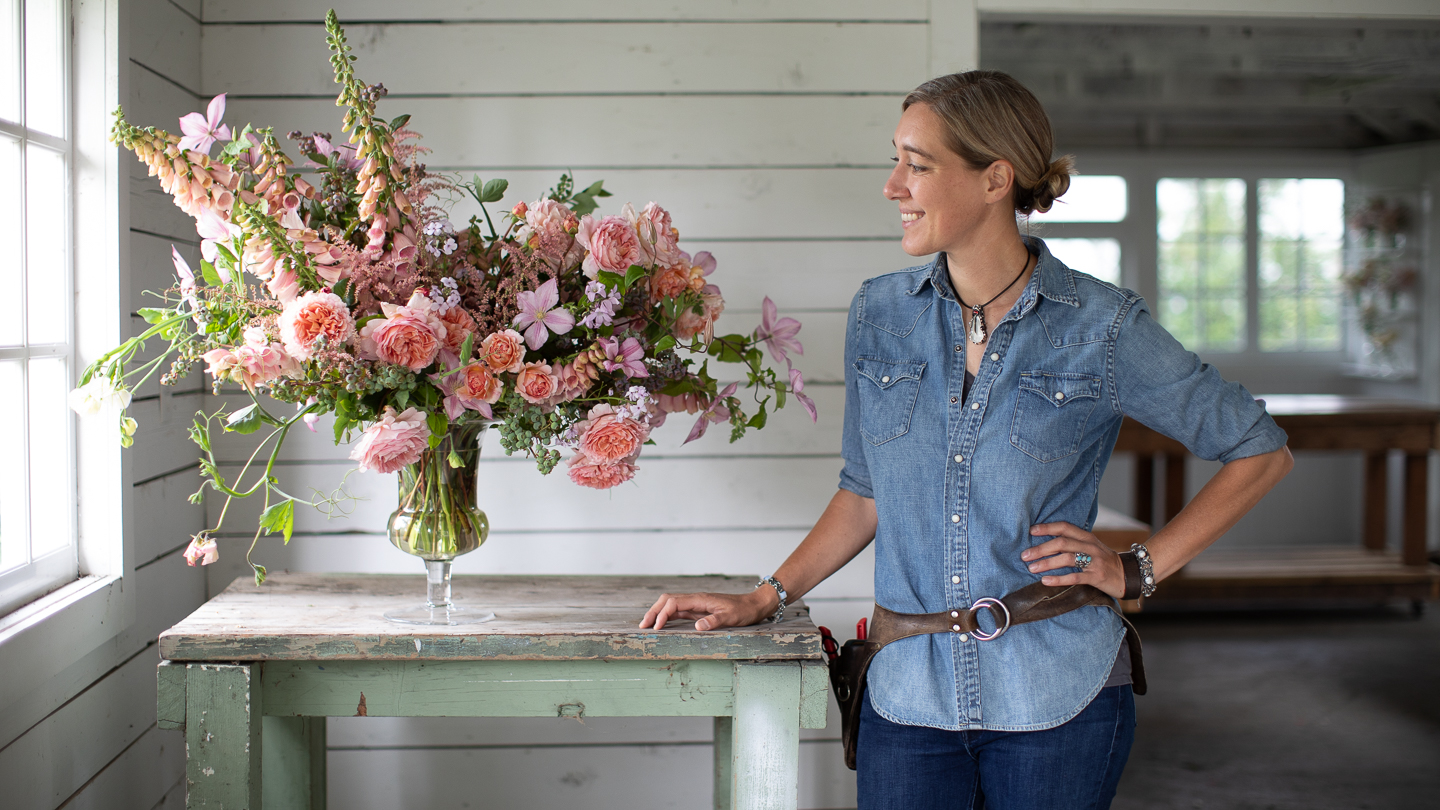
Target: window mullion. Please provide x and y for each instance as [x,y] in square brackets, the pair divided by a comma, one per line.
[1252,267]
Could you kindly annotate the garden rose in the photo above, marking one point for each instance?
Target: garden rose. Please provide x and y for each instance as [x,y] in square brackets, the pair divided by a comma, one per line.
[549,231]
[536,383]
[256,362]
[607,437]
[408,336]
[393,442]
[504,351]
[612,243]
[670,281]
[659,241]
[458,326]
[472,387]
[688,324]
[311,317]
[588,472]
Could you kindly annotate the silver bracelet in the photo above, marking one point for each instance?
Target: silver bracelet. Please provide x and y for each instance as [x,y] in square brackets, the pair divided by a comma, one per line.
[779,590]
[1147,568]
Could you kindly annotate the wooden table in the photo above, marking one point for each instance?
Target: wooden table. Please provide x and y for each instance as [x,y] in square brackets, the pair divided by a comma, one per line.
[1375,427]
[251,676]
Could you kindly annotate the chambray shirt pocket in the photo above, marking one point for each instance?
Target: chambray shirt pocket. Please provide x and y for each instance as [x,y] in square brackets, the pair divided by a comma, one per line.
[1052,409]
[887,390]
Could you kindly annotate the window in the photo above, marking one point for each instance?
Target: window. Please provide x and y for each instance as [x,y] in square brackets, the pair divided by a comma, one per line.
[1097,257]
[1090,198]
[1201,230]
[1082,229]
[37,485]
[1301,233]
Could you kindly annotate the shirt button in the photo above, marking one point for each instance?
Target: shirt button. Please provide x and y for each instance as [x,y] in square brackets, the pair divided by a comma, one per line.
[995,356]
[953,400]
[964,637]
[1059,394]
[954,518]
[974,406]
[959,458]
[884,379]
[955,580]
[959,347]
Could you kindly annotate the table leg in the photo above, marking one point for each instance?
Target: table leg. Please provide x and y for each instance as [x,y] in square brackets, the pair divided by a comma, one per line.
[765,737]
[1417,469]
[223,739]
[294,762]
[724,734]
[1374,513]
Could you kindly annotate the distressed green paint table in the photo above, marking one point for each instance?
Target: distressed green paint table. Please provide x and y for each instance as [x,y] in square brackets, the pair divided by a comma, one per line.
[251,676]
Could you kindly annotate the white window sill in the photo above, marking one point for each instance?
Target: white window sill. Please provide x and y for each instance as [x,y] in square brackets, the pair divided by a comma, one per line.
[56,630]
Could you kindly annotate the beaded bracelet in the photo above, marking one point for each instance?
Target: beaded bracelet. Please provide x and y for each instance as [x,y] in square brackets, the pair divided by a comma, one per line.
[779,591]
[1139,571]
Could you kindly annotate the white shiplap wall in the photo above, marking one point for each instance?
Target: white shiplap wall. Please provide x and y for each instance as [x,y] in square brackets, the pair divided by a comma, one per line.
[87,738]
[765,128]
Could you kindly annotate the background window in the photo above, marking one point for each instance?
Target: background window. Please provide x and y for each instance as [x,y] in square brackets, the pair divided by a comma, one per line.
[1097,257]
[1090,198]
[1302,225]
[1201,230]
[37,490]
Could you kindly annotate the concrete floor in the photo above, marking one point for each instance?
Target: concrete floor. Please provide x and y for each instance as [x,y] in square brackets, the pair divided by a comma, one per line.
[1308,710]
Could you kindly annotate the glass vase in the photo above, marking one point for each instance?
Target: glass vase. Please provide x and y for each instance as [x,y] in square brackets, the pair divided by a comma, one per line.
[437,520]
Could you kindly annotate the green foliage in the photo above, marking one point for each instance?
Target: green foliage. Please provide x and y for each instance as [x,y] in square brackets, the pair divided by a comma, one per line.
[245,420]
[279,517]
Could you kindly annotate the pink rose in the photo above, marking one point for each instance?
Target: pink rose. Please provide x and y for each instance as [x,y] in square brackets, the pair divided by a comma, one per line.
[549,231]
[588,472]
[458,326]
[607,437]
[612,245]
[472,387]
[504,351]
[311,317]
[659,241]
[408,336]
[392,442]
[256,362]
[688,324]
[670,281]
[536,383]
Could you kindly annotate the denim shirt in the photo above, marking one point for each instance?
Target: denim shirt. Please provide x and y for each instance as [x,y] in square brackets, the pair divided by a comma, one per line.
[957,483]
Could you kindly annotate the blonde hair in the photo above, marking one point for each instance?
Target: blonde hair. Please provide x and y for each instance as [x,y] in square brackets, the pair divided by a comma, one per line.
[990,116]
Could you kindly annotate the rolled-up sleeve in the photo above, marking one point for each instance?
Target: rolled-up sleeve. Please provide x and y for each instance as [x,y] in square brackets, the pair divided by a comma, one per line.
[855,475]
[1166,387]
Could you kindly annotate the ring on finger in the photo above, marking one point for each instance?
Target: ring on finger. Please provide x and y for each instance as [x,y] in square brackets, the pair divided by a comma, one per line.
[1082,561]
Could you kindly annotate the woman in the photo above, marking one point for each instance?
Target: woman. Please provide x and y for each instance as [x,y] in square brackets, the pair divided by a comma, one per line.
[983,396]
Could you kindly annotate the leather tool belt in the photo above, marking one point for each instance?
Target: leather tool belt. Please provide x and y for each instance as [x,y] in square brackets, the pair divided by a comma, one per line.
[1031,603]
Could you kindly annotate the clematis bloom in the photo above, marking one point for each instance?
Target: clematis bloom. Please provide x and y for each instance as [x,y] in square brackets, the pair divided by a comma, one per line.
[778,334]
[202,131]
[538,311]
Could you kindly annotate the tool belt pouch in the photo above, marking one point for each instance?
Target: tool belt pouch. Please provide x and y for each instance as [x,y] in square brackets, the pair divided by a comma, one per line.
[1029,604]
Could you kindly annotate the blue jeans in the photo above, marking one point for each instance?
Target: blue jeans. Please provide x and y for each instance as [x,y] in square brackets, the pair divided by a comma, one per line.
[1074,766]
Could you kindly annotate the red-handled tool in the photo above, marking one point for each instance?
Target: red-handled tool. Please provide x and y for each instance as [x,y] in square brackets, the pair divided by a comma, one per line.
[828,642]
[860,627]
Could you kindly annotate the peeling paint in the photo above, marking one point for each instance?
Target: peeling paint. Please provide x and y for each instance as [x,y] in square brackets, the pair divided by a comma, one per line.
[208,771]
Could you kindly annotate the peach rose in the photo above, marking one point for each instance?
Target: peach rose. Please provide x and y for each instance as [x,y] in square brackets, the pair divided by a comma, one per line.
[458,326]
[607,437]
[408,336]
[612,245]
[256,362]
[549,231]
[504,351]
[311,317]
[688,324]
[670,281]
[536,383]
[392,442]
[659,241]
[587,472]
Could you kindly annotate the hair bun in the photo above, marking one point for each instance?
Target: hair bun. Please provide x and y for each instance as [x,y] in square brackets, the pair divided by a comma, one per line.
[1053,184]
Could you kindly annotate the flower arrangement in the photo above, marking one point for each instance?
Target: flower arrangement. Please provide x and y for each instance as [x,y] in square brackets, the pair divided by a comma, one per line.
[351,293]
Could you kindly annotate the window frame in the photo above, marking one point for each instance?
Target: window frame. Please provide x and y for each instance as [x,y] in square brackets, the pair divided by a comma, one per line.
[44,637]
[1139,243]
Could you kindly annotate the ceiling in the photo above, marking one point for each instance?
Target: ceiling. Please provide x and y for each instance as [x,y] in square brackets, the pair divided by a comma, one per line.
[1226,83]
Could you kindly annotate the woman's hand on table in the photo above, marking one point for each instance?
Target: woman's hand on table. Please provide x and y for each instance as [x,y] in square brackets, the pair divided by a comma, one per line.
[1105,570]
[712,611]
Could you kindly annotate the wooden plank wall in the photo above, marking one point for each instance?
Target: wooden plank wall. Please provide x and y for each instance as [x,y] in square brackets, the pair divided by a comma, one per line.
[765,129]
[87,738]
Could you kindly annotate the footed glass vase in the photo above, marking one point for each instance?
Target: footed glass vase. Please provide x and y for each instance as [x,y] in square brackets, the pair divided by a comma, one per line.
[438,520]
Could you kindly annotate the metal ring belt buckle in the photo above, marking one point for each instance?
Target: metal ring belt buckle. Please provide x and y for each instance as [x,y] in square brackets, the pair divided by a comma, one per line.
[990,603]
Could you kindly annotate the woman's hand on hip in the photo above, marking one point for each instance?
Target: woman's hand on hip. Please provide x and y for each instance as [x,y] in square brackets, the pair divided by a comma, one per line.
[712,611]
[1104,571]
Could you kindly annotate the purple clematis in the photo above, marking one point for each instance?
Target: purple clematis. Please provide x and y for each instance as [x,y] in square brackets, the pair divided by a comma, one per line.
[797,387]
[717,412]
[778,334]
[202,131]
[628,357]
[538,312]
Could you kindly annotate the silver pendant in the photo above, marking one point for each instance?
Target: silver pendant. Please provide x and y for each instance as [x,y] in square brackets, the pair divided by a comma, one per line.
[977,326]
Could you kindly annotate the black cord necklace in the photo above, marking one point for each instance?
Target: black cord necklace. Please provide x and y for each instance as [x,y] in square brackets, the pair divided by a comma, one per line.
[977,313]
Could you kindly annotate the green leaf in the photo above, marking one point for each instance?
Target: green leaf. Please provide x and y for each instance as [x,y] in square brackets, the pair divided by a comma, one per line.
[153,315]
[200,434]
[399,121]
[207,270]
[365,320]
[634,274]
[609,279]
[259,574]
[494,190]
[279,517]
[342,424]
[779,395]
[584,201]
[402,400]
[439,424]
[245,420]
[667,342]
[227,253]
[465,349]
[341,288]
[758,420]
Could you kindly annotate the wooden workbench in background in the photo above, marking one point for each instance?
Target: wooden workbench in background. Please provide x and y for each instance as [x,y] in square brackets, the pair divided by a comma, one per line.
[1374,427]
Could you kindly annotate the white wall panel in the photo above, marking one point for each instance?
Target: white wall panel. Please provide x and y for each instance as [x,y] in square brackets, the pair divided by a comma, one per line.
[165,39]
[148,775]
[498,10]
[628,58]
